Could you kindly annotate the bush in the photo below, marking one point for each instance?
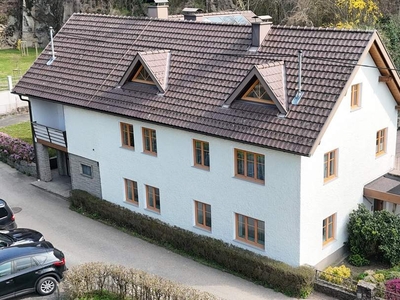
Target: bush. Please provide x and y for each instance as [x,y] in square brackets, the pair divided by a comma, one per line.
[336,274]
[357,260]
[15,149]
[393,289]
[295,282]
[118,282]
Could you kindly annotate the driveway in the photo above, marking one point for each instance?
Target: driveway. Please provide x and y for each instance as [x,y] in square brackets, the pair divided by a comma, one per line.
[85,240]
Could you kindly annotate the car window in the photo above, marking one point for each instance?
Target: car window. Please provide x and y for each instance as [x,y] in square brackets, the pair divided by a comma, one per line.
[5,269]
[3,212]
[38,260]
[22,263]
[5,239]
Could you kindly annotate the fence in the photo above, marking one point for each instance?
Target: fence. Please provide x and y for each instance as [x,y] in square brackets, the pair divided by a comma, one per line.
[7,83]
[10,103]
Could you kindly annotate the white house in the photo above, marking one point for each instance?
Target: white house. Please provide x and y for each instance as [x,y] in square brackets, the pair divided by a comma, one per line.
[263,136]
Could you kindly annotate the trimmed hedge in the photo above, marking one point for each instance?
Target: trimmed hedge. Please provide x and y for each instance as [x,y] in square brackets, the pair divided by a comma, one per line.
[296,282]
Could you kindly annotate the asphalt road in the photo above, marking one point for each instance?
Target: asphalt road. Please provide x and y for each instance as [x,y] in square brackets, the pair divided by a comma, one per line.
[85,240]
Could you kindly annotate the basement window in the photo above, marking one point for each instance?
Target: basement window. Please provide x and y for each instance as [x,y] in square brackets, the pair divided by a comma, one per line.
[86,170]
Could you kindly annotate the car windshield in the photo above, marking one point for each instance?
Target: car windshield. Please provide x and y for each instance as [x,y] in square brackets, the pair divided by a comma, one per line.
[5,240]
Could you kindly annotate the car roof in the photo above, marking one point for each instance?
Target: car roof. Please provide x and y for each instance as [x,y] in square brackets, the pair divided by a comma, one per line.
[24,249]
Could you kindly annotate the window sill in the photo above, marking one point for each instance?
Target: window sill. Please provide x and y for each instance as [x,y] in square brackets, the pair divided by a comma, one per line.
[200,167]
[329,180]
[260,248]
[150,153]
[153,211]
[327,244]
[132,203]
[355,108]
[87,176]
[202,228]
[244,178]
[128,148]
[380,154]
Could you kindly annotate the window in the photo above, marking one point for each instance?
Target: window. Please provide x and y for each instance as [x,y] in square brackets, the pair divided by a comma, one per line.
[201,154]
[5,269]
[153,198]
[250,165]
[149,141]
[328,229]
[250,230]
[22,264]
[330,165]
[127,135]
[380,142]
[203,215]
[86,170]
[355,96]
[143,76]
[131,191]
[257,93]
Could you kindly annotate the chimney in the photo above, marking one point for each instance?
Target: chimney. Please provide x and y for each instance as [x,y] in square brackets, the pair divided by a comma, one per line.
[159,10]
[191,14]
[260,30]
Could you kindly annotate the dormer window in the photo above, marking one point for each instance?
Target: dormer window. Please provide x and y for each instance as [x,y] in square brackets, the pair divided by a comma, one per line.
[257,93]
[143,76]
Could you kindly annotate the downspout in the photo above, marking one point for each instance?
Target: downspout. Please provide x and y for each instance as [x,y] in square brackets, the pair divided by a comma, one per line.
[33,135]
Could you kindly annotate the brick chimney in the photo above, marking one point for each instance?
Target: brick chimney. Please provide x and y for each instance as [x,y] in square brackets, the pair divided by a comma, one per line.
[260,30]
[159,10]
[192,14]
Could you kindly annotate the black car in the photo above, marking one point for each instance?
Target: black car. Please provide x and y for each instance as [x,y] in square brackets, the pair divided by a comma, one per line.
[27,268]
[19,236]
[7,218]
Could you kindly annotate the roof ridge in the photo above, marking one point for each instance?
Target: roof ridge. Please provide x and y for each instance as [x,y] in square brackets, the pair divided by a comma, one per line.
[312,28]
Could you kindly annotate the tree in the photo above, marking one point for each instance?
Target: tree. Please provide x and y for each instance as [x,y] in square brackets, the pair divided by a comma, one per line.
[357,13]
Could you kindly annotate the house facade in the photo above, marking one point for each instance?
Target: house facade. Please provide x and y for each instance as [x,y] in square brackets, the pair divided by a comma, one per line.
[262,136]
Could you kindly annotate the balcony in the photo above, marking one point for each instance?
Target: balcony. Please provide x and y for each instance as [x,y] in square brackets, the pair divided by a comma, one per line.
[51,137]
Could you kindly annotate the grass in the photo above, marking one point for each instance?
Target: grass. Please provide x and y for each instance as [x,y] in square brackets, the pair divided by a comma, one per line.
[20,131]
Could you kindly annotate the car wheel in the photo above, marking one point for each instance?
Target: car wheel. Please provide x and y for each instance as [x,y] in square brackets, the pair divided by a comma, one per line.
[46,286]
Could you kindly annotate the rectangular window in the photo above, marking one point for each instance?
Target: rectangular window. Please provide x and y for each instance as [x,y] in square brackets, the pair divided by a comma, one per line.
[355,96]
[131,191]
[328,229]
[250,231]
[330,165]
[86,170]
[203,215]
[127,135]
[201,154]
[149,141]
[153,198]
[250,165]
[380,142]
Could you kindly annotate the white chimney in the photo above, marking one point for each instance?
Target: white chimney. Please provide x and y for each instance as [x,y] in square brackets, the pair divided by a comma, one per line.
[260,30]
[159,10]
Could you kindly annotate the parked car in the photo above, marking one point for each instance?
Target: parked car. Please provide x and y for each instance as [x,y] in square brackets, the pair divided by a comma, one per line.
[7,218]
[19,236]
[28,268]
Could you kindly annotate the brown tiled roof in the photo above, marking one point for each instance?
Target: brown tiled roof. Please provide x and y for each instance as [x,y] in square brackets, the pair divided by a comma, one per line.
[207,62]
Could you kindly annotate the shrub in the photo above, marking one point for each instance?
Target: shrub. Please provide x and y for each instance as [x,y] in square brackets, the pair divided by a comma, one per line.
[357,260]
[15,149]
[393,289]
[336,274]
[296,282]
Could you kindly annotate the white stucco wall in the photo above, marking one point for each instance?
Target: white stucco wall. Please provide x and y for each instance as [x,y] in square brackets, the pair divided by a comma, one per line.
[353,133]
[97,136]
[48,113]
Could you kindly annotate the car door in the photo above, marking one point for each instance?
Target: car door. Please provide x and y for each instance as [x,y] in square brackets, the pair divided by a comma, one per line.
[7,285]
[24,275]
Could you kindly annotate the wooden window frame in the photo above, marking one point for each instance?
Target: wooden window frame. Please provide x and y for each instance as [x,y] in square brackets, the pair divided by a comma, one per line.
[258,100]
[135,79]
[327,159]
[246,225]
[325,229]
[355,101]
[204,213]
[201,165]
[131,186]
[152,139]
[381,139]
[245,162]
[155,194]
[127,129]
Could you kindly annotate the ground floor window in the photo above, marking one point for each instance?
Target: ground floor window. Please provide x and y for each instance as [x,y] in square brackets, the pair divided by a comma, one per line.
[203,215]
[131,191]
[250,231]
[86,170]
[328,229]
[153,198]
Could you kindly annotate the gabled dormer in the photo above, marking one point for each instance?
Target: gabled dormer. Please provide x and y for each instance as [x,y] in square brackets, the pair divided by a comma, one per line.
[265,84]
[149,68]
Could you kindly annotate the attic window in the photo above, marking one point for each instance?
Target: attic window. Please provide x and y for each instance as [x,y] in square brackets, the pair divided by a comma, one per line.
[143,76]
[257,93]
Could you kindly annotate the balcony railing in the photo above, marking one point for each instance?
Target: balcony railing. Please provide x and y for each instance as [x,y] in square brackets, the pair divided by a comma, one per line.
[50,137]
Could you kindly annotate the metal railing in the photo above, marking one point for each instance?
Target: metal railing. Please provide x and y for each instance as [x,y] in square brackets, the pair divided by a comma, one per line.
[50,136]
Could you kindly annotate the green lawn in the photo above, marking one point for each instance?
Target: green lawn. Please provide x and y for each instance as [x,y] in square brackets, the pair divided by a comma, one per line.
[21,131]
[11,59]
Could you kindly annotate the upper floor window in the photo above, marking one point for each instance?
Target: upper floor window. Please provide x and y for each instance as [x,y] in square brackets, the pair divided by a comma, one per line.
[203,215]
[330,165]
[355,96]
[149,141]
[153,198]
[380,142]
[142,75]
[257,93]
[201,154]
[250,165]
[127,135]
[328,229]
[131,191]
[249,230]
